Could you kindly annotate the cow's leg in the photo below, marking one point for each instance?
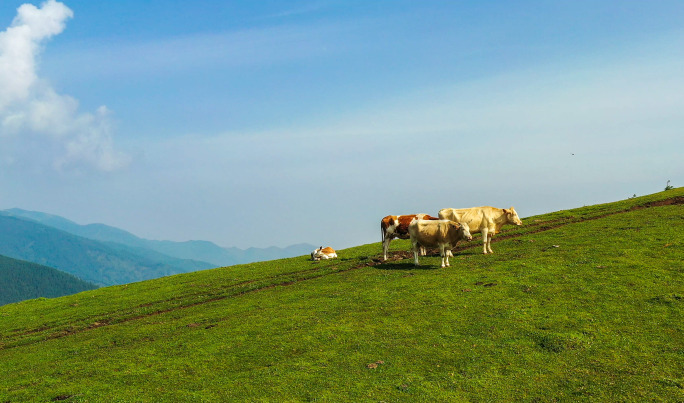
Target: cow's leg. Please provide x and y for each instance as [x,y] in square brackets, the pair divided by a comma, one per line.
[490,234]
[423,251]
[485,236]
[416,249]
[385,247]
[443,254]
[415,253]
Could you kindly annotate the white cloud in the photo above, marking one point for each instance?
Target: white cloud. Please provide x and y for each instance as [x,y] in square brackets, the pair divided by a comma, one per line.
[32,111]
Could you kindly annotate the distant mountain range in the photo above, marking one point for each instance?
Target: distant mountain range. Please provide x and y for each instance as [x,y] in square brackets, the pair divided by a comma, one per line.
[107,255]
[20,280]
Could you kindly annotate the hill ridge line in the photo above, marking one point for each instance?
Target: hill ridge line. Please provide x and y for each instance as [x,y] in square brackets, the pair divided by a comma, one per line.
[292,278]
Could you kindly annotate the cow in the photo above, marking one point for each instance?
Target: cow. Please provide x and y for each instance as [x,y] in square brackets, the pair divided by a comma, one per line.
[443,234]
[323,253]
[396,226]
[487,220]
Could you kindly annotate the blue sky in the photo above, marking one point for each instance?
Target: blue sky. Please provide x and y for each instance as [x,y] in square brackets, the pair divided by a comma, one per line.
[277,122]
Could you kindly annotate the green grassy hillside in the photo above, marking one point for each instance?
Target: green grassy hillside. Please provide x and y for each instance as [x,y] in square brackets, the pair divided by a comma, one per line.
[578,305]
[20,280]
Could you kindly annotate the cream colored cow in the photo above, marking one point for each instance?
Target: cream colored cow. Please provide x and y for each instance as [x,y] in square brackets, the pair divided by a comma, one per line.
[487,220]
[323,253]
[443,234]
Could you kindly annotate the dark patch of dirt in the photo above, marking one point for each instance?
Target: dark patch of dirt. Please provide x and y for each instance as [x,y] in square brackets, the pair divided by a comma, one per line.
[374,365]
[667,202]
[61,397]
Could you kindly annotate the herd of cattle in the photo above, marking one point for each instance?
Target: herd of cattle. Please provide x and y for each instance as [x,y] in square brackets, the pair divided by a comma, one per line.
[443,232]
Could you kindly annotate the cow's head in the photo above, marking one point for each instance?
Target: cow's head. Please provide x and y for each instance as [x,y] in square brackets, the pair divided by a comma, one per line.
[316,255]
[463,230]
[512,216]
[466,232]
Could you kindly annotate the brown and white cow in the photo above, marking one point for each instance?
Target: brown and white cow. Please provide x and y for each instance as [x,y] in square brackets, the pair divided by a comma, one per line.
[396,226]
[323,253]
[443,234]
[487,220]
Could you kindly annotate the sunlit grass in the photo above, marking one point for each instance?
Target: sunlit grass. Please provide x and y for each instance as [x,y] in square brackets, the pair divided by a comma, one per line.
[591,310]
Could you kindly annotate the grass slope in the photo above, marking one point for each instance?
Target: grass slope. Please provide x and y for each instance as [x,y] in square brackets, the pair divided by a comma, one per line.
[578,305]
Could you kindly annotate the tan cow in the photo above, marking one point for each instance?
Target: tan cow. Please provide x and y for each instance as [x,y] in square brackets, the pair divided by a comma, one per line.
[487,220]
[323,253]
[443,234]
[396,226]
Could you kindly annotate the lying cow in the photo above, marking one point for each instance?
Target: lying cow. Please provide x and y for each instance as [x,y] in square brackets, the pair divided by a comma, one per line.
[396,226]
[323,253]
[443,234]
[487,220]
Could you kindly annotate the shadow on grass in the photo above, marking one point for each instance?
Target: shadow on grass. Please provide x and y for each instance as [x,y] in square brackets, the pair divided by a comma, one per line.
[407,262]
[405,266]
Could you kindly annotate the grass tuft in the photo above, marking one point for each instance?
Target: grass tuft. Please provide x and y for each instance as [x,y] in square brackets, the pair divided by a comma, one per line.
[559,342]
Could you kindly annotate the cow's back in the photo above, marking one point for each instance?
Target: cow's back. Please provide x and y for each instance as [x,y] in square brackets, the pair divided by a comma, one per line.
[429,232]
[475,217]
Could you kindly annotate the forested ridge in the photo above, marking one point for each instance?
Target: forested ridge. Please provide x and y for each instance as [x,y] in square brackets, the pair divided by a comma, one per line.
[20,280]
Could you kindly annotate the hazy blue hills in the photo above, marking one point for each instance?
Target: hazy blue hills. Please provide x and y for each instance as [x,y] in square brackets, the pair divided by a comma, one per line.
[20,280]
[84,258]
[183,256]
[210,252]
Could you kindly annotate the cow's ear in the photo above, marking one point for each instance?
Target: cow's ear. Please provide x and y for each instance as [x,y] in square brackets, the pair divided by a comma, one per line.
[505,211]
